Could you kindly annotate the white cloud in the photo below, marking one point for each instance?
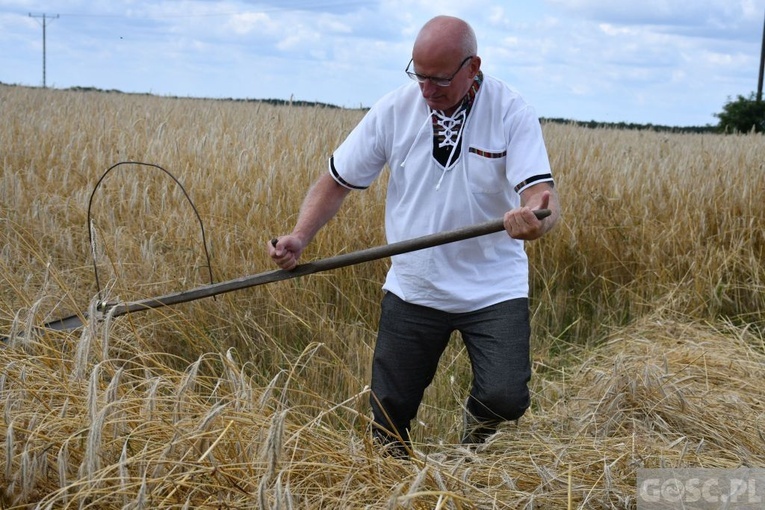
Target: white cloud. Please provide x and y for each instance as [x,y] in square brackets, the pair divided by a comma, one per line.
[586,59]
[249,22]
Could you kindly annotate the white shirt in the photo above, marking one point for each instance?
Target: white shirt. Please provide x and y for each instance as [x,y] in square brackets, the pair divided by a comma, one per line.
[502,153]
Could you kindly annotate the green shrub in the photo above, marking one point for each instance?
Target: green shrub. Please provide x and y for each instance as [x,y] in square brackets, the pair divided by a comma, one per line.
[742,115]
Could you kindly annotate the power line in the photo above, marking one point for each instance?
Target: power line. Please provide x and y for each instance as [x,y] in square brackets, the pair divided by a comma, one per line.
[762,65]
[284,6]
[45,19]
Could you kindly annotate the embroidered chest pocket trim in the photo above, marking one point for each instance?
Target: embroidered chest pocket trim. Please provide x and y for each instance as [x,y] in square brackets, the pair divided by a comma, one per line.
[488,154]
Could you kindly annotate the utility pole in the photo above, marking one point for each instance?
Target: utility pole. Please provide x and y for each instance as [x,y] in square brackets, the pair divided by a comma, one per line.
[45,19]
[762,65]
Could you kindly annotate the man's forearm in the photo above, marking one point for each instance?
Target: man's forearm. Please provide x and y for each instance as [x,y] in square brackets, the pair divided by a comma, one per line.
[320,205]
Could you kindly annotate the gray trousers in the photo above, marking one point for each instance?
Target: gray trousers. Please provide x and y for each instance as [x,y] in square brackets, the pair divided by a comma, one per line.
[410,342]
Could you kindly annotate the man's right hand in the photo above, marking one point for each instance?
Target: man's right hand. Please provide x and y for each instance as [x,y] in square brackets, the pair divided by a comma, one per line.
[285,251]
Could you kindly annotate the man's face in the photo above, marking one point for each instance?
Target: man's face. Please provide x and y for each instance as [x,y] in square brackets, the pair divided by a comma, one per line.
[446,98]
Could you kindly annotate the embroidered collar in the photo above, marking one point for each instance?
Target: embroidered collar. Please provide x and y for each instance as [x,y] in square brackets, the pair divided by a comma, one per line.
[467,101]
[447,130]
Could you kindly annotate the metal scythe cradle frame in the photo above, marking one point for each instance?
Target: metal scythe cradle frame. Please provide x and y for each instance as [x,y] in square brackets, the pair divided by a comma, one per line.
[90,221]
[116,309]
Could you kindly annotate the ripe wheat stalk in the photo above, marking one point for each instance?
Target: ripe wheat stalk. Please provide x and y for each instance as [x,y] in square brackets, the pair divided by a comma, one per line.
[647,312]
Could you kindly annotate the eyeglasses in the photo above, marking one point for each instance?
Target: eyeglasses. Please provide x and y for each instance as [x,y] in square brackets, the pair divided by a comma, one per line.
[441,82]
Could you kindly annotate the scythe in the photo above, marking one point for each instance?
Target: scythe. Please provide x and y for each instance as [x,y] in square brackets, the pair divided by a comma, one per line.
[115,309]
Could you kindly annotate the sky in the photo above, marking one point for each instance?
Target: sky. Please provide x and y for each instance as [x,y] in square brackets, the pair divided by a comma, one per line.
[663,62]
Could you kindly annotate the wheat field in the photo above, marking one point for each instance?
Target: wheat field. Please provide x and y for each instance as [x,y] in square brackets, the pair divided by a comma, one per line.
[647,302]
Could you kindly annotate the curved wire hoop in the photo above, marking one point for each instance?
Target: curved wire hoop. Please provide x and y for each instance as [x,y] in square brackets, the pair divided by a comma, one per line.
[90,205]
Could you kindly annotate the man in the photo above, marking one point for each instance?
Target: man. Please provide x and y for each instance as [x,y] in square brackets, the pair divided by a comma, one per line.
[462,148]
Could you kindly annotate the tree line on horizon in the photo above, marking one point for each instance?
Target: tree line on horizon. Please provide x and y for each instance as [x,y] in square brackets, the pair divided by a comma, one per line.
[741,115]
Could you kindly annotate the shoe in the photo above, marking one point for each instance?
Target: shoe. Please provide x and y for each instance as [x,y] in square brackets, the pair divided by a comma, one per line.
[390,446]
[475,431]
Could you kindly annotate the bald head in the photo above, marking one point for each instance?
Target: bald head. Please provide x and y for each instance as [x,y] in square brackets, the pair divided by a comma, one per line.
[446,35]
